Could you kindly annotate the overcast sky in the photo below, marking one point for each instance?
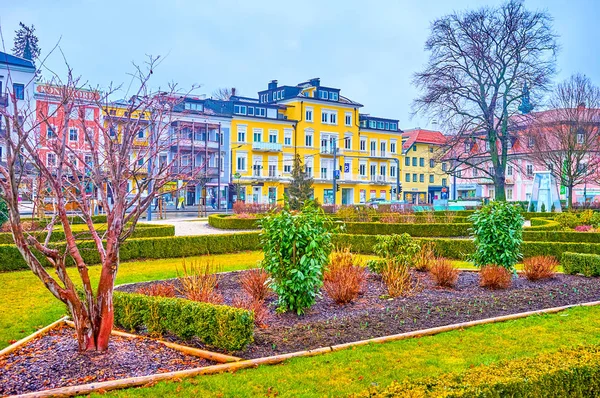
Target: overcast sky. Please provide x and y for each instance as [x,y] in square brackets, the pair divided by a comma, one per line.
[368,49]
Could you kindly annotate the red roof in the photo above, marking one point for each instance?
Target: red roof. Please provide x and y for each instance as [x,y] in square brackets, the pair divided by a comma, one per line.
[422,136]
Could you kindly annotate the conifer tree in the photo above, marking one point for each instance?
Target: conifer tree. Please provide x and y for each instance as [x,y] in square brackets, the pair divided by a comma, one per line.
[300,189]
[26,42]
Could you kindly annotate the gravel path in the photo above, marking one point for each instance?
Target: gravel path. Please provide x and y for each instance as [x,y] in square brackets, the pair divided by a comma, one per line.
[197,226]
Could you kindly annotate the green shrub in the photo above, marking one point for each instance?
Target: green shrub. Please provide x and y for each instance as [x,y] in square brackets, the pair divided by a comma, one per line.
[497,231]
[543,208]
[573,372]
[296,248]
[580,263]
[220,326]
[585,217]
[224,221]
[567,220]
[595,220]
[417,230]
[561,236]
[402,249]
[543,224]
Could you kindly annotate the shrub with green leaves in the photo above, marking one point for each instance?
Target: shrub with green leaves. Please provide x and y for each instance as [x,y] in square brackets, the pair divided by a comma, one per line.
[401,248]
[567,220]
[296,248]
[498,234]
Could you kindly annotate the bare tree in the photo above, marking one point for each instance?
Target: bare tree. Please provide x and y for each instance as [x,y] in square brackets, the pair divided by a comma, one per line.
[124,182]
[478,65]
[224,93]
[566,138]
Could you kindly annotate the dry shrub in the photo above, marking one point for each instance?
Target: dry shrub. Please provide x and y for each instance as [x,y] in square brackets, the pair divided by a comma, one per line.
[396,276]
[425,257]
[409,218]
[199,282]
[258,308]
[345,277]
[245,216]
[495,277]
[540,267]
[449,217]
[443,272]
[157,289]
[390,218]
[256,283]
[429,217]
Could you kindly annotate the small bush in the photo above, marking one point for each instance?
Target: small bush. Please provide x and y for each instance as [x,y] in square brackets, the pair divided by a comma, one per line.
[199,282]
[580,263]
[425,257]
[567,220]
[257,307]
[157,289]
[595,219]
[495,277]
[396,276]
[390,218]
[344,279]
[443,272]
[346,213]
[429,217]
[540,267]
[401,248]
[256,283]
[585,217]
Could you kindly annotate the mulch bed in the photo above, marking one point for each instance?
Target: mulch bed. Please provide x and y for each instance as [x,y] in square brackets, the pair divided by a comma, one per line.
[375,315]
[53,361]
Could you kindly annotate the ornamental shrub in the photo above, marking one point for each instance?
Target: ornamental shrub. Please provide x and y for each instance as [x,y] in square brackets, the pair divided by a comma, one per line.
[540,267]
[567,220]
[345,277]
[494,277]
[400,248]
[443,272]
[296,246]
[498,233]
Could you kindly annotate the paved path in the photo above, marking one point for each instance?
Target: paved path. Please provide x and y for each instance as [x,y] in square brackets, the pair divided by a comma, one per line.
[195,226]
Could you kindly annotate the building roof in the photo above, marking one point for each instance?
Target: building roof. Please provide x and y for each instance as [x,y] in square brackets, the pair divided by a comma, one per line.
[409,137]
[8,59]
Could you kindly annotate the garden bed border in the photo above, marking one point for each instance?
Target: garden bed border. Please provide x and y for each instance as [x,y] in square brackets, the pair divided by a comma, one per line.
[275,359]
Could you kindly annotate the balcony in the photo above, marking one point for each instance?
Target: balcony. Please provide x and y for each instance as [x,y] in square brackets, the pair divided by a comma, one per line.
[198,171]
[267,146]
[3,100]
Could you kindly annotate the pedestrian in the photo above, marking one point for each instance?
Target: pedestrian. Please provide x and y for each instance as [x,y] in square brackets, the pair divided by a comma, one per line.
[213,201]
[181,202]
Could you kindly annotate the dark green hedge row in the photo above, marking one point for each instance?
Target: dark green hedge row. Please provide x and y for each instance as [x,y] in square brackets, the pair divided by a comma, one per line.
[543,224]
[561,236]
[101,219]
[416,230]
[527,215]
[220,326]
[141,248]
[417,219]
[578,263]
[141,231]
[571,372]
[226,221]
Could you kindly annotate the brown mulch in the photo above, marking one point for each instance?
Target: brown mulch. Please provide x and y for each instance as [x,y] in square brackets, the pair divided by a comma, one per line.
[53,360]
[374,314]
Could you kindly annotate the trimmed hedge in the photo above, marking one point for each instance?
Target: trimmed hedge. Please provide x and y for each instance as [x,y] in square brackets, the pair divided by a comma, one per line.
[561,236]
[578,263]
[227,221]
[101,219]
[220,326]
[543,224]
[416,230]
[571,372]
[155,248]
[141,231]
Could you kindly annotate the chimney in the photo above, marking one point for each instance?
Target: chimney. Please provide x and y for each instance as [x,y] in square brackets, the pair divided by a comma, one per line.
[316,82]
[581,106]
[233,91]
[272,85]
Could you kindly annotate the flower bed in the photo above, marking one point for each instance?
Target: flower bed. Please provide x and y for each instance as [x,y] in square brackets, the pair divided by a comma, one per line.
[373,314]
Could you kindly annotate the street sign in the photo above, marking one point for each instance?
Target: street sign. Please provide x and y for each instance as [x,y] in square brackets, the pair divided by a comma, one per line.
[444,195]
[336,174]
[346,167]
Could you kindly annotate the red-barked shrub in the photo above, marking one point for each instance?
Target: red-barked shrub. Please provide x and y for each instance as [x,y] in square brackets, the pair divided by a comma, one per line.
[443,272]
[540,267]
[495,277]
[345,278]
[256,283]
[157,289]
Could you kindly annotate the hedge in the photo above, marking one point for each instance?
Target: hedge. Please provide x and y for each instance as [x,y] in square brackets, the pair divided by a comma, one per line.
[101,219]
[417,230]
[578,263]
[543,224]
[220,326]
[571,372]
[225,221]
[82,233]
[141,248]
[561,236]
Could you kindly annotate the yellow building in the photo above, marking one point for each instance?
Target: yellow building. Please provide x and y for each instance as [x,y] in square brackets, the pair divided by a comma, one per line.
[328,133]
[424,178]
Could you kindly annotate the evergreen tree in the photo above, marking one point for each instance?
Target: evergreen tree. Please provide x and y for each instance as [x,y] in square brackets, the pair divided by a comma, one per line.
[300,189]
[26,42]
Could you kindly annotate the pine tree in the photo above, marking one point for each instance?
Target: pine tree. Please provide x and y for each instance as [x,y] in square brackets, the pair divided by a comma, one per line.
[26,43]
[300,190]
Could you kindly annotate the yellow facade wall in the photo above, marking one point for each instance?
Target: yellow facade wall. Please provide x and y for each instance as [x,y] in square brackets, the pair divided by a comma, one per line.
[418,175]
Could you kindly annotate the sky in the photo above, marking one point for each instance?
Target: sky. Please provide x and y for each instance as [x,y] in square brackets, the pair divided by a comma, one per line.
[368,49]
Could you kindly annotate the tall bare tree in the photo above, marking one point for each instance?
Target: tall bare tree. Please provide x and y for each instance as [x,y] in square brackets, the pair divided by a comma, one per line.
[566,138]
[224,93]
[479,63]
[119,170]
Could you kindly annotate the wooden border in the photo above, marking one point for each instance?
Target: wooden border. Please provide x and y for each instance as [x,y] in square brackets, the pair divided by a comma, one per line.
[244,364]
[42,331]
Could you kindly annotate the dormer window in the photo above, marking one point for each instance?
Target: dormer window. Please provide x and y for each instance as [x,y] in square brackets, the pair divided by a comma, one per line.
[323,95]
[239,109]
[333,96]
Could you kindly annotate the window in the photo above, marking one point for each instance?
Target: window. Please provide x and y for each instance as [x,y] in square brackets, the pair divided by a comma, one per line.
[333,96]
[50,133]
[414,177]
[287,165]
[444,166]
[382,170]
[348,119]
[256,168]
[72,134]
[193,106]
[414,148]
[250,111]
[431,163]
[88,160]
[467,147]
[580,137]
[308,141]
[362,170]
[393,146]
[52,109]
[373,170]
[509,193]
[529,169]
[260,112]
[509,170]
[422,162]
[323,95]
[272,170]
[347,142]
[393,126]
[392,171]
[444,182]
[530,141]
[89,114]
[309,114]
[328,117]
[363,144]
[140,162]
[308,167]
[50,159]
[273,136]
[112,131]
[421,177]
[407,177]
[487,145]
[239,109]
[407,161]
[380,125]
[373,148]
[382,147]
[241,131]
[19,91]
[287,138]
[414,162]
[372,124]
[141,133]
[431,178]
[257,136]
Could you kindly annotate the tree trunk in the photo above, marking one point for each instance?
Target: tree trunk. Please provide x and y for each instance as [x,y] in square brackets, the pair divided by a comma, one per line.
[499,184]
[105,303]
[570,197]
